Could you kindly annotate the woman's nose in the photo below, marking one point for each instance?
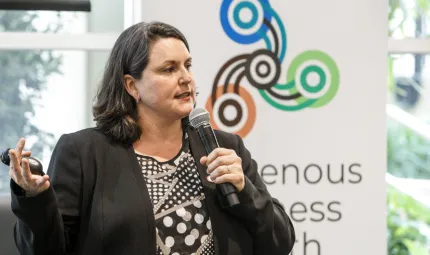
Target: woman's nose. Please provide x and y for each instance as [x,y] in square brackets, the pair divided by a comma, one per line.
[186,77]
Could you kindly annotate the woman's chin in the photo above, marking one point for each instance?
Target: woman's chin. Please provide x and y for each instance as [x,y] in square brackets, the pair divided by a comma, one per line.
[182,109]
[185,110]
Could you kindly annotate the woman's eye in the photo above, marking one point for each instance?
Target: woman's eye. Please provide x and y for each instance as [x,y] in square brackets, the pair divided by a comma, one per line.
[169,69]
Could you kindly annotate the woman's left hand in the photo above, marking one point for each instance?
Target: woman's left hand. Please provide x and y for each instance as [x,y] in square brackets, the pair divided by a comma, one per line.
[225,166]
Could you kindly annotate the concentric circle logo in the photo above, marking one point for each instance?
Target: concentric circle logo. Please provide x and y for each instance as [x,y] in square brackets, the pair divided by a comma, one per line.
[312,76]
[241,102]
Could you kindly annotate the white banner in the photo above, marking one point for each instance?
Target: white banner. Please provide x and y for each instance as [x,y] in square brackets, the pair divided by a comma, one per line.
[303,82]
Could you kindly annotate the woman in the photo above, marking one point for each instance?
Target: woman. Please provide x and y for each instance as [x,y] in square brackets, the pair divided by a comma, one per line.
[139,183]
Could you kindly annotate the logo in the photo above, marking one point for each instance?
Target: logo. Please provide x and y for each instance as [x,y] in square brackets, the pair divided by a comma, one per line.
[312,77]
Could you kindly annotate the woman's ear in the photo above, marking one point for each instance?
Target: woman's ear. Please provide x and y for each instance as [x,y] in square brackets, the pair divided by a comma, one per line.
[131,87]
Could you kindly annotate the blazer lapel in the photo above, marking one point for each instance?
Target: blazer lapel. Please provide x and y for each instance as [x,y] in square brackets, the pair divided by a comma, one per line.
[125,160]
[134,166]
[147,204]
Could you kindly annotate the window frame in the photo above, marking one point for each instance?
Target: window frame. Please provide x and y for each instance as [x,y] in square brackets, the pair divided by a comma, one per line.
[409,45]
[86,42]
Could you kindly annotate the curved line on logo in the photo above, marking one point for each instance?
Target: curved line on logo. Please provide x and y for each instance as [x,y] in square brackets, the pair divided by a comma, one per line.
[297,107]
[266,6]
[221,71]
[275,38]
[230,75]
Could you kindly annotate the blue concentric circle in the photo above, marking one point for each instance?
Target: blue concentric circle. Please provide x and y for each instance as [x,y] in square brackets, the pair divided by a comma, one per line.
[254,15]
[228,29]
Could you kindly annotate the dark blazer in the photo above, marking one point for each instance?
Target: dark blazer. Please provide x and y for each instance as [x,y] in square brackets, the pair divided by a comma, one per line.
[98,204]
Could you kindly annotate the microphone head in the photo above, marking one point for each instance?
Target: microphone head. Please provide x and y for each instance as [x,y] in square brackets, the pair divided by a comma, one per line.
[198,117]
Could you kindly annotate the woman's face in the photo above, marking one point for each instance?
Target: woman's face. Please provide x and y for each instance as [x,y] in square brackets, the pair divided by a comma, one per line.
[167,86]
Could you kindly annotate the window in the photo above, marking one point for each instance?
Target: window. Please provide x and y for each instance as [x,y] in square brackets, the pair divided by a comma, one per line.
[409,85]
[50,64]
[409,19]
[45,93]
[104,18]
[408,128]
[43,21]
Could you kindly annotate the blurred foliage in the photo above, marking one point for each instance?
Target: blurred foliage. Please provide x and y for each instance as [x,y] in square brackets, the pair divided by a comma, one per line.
[406,220]
[403,15]
[400,11]
[24,75]
[408,154]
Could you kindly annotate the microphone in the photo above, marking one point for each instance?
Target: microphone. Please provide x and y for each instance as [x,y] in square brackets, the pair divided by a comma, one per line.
[200,120]
[36,167]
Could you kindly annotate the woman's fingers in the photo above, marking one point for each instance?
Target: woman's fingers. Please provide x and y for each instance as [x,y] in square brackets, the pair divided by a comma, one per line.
[26,154]
[25,171]
[19,147]
[14,165]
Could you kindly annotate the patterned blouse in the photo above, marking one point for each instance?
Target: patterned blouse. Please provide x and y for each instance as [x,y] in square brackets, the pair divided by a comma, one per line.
[183,226]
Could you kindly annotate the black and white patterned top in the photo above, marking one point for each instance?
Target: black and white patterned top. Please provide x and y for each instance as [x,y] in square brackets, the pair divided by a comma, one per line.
[182,222]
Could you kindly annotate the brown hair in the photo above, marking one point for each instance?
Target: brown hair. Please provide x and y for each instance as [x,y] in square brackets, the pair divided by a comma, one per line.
[115,111]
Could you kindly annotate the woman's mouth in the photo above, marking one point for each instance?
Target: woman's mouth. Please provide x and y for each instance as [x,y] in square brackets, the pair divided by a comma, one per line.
[184,96]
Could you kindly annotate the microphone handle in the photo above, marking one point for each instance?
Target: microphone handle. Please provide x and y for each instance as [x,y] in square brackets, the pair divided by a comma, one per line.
[207,136]
[36,167]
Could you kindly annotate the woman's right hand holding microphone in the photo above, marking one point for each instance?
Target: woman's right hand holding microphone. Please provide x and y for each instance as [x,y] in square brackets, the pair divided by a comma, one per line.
[32,184]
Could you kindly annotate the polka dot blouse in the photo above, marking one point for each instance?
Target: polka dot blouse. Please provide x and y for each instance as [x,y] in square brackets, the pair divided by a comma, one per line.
[183,226]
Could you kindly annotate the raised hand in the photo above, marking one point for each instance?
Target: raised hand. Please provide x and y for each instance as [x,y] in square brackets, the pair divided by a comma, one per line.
[21,174]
